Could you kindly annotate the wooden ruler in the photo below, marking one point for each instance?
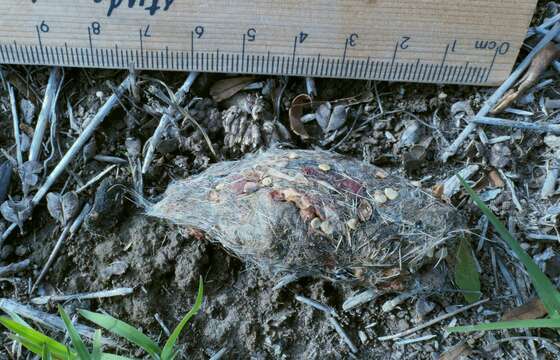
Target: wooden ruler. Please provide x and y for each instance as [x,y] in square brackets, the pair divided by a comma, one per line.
[436,41]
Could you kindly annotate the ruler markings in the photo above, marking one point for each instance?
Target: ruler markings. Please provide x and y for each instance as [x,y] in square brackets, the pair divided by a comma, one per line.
[40,41]
[468,72]
[353,69]
[27,53]
[443,62]
[479,76]
[386,69]
[398,77]
[58,61]
[22,53]
[492,64]
[472,71]
[9,53]
[16,57]
[475,75]
[415,69]
[445,73]
[363,67]
[68,55]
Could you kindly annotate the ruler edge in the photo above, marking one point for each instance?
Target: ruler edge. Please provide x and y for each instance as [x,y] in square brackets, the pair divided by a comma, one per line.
[132,65]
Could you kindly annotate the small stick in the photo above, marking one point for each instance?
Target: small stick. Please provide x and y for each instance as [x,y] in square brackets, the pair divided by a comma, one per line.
[489,104]
[42,300]
[51,94]
[359,299]
[543,237]
[342,334]
[166,119]
[69,231]
[549,184]
[511,188]
[96,178]
[15,119]
[317,305]
[415,340]
[431,322]
[51,321]
[311,87]
[110,159]
[14,268]
[86,134]
[486,120]
[219,354]
[162,324]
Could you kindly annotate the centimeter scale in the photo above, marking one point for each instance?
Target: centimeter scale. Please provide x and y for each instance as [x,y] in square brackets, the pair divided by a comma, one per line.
[435,41]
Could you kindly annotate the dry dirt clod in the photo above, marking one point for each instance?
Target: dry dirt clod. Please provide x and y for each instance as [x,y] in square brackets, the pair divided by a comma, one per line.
[271,226]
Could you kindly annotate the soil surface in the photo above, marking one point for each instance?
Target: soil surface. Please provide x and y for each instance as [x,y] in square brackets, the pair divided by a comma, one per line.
[402,128]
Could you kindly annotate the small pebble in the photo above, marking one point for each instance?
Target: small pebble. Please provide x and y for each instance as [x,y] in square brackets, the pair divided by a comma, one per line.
[391,193]
[352,223]
[379,197]
[324,167]
[267,181]
[213,196]
[363,336]
[7,251]
[327,228]
[315,223]
[250,187]
[292,156]
[220,186]
[22,250]
[380,174]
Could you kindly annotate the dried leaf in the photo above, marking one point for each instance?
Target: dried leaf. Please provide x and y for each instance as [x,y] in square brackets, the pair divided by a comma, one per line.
[8,212]
[70,207]
[296,111]
[437,191]
[539,64]
[495,179]
[337,118]
[29,172]
[5,178]
[323,114]
[365,210]
[27,110]
[54,206]
[452,185]
[533,309]
[458,351]
[466,274]
[226,88]
[16,211]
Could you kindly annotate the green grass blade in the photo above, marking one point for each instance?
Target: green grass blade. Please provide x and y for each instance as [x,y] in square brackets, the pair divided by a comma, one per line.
[466,273]
[96,347]
[506,325]
[29,345]
[37,348]
[16,317]
[114,357]
[544,287]
[168,352]
[46,354]
[33,336]
[79,345]
[124,330]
